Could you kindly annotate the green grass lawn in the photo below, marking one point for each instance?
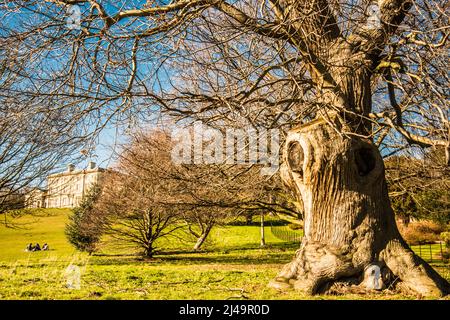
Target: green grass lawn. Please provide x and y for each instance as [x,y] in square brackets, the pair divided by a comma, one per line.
[38,226]
[231,266]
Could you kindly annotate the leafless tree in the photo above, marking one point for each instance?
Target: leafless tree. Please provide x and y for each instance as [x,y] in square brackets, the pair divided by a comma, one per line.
[355,76]
[133,199]
[201,196]
[32,143]
[36,135]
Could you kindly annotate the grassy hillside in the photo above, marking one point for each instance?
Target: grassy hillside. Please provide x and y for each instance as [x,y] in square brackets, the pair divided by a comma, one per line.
[232,265]
[37,225]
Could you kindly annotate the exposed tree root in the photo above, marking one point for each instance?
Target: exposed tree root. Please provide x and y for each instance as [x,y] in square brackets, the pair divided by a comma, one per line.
[313,267]
[318,269]
[415,274]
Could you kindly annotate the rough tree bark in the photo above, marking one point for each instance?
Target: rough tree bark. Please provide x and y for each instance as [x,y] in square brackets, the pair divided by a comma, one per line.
[348,221]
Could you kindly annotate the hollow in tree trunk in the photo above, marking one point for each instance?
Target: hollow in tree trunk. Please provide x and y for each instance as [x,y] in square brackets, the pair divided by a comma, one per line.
[349,225]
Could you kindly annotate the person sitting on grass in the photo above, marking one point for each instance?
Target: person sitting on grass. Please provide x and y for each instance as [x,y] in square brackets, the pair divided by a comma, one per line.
[29,247]
[37,247]
[45,247]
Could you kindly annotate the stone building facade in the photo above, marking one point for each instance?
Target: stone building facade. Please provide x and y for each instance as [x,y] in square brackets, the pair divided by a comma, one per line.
[66,189]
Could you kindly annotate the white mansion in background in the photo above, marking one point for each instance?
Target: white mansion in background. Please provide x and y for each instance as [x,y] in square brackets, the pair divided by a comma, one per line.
[65,189]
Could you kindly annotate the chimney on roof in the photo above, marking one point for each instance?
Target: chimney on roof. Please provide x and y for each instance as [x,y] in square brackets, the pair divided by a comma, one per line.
[91,165]
[70,167]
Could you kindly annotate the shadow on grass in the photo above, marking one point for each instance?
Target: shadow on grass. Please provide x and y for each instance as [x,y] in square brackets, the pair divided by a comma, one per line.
[270,258]
[247,254]
[246,247]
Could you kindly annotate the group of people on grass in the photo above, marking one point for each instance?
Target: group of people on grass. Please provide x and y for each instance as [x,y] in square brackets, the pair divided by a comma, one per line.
[30,247]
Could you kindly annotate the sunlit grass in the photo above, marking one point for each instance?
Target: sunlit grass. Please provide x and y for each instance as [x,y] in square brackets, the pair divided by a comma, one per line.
[232,265]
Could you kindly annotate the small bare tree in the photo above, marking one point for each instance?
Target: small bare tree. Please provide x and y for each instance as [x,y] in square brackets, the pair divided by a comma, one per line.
[133,203]
[201,222]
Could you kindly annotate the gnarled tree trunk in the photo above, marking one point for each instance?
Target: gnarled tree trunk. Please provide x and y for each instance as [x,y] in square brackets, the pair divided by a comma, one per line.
[348,221]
